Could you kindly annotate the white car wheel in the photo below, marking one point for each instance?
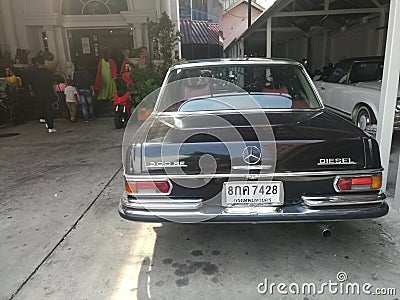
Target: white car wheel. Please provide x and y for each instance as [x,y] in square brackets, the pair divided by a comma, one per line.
[364,118]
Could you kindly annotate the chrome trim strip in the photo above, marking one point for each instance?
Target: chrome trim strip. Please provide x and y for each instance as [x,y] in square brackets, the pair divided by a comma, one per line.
[165,166]
[251,210]
[339,200]
[252,167]
[235,61]
[241,111]
[246,175]
[162,203]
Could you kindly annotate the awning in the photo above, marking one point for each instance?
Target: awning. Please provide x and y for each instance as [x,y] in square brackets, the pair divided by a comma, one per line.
[200,32]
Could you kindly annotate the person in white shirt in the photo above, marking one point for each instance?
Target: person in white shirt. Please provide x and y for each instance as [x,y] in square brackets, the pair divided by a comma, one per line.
[71,99]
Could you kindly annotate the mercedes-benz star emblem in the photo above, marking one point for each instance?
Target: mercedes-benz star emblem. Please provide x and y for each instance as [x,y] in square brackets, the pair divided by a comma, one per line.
[251,155]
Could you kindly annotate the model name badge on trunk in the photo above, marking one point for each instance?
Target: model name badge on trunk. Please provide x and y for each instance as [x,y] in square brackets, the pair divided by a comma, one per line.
[166,164]
[336,161]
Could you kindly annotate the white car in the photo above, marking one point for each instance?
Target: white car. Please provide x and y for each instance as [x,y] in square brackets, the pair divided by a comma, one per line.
[352,89]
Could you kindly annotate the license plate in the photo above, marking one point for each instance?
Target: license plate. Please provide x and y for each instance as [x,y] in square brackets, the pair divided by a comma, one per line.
[253,193]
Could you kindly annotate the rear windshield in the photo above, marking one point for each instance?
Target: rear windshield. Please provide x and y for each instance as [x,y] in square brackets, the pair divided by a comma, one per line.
[366,71]
[230,87]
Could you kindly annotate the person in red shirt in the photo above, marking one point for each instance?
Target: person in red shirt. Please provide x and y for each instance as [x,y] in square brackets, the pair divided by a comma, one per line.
[126,76]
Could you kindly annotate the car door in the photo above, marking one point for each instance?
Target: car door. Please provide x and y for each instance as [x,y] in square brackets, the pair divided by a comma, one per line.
[336,95]
[333,95]
[333,87]
[363,86]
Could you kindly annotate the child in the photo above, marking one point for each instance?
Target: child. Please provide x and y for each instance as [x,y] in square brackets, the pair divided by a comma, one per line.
[126,76]
[122,98]
[71,99]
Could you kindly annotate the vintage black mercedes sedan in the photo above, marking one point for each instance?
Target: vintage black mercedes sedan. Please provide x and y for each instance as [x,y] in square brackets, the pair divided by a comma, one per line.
[247,140]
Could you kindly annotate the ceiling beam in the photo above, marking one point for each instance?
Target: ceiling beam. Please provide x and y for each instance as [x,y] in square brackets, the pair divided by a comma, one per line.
[376,2]
[328,12]
[291,29]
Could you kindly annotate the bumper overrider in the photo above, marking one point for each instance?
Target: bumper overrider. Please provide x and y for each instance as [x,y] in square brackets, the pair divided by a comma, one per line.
[308,209]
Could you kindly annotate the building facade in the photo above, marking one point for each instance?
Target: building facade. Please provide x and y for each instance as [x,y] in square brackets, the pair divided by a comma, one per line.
[235,23]
[76,29]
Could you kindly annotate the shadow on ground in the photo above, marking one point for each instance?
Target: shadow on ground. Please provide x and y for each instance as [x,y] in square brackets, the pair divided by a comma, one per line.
[229,261]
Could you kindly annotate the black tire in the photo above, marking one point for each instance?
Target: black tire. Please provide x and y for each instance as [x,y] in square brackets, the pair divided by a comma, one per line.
[119,119]
[364,117]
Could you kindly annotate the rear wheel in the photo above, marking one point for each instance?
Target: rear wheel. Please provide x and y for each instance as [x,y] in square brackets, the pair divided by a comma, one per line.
[119,121]
[365,118]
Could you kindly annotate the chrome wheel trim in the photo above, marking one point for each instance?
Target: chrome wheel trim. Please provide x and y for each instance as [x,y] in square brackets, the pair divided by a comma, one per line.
[363,118]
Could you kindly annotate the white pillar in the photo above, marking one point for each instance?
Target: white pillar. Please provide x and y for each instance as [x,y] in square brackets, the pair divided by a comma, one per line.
[268,49]
[178,27]
[20,28]
[241,48]
[138,36]
[131,5]
[146,36]
[51,40]
[390,83]
[158,8]
[8,26]
[60,47]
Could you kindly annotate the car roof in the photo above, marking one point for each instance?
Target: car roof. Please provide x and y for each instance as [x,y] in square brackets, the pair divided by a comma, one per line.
[230,61]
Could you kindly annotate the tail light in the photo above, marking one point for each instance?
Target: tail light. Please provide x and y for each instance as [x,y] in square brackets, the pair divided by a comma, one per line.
[147,187]
[359,183]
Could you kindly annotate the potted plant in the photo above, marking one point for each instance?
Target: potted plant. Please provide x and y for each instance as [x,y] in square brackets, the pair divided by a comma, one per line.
[164,37]
[145,82]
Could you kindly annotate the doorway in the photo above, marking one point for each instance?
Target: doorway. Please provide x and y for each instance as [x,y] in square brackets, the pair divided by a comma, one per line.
[86,45]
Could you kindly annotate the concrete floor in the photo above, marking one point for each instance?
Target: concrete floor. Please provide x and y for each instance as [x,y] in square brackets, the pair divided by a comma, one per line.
[62,238]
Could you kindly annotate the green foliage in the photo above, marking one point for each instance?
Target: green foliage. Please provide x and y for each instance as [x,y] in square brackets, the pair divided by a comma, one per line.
[146,81]
[165,37]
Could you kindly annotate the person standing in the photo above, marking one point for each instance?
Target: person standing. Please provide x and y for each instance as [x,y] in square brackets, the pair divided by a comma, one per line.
[69,69]
[42,87]
[13,84]
[85,90]
[106,74]
[59,89]
[71,99]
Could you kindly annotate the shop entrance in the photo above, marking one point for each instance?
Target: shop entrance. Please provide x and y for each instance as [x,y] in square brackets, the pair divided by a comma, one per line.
[86,45]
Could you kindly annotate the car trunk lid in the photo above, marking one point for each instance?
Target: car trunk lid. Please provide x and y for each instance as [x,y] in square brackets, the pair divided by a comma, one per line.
[217,143]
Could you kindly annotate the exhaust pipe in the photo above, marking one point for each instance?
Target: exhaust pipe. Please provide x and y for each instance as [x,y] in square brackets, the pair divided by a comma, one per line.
[325,230]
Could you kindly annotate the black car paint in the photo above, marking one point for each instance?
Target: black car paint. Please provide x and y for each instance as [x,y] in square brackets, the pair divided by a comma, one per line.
[302,138]
[299,137]
[300,143]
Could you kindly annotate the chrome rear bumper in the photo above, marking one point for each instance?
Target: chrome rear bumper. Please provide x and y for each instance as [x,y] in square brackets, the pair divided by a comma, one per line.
[311,208]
